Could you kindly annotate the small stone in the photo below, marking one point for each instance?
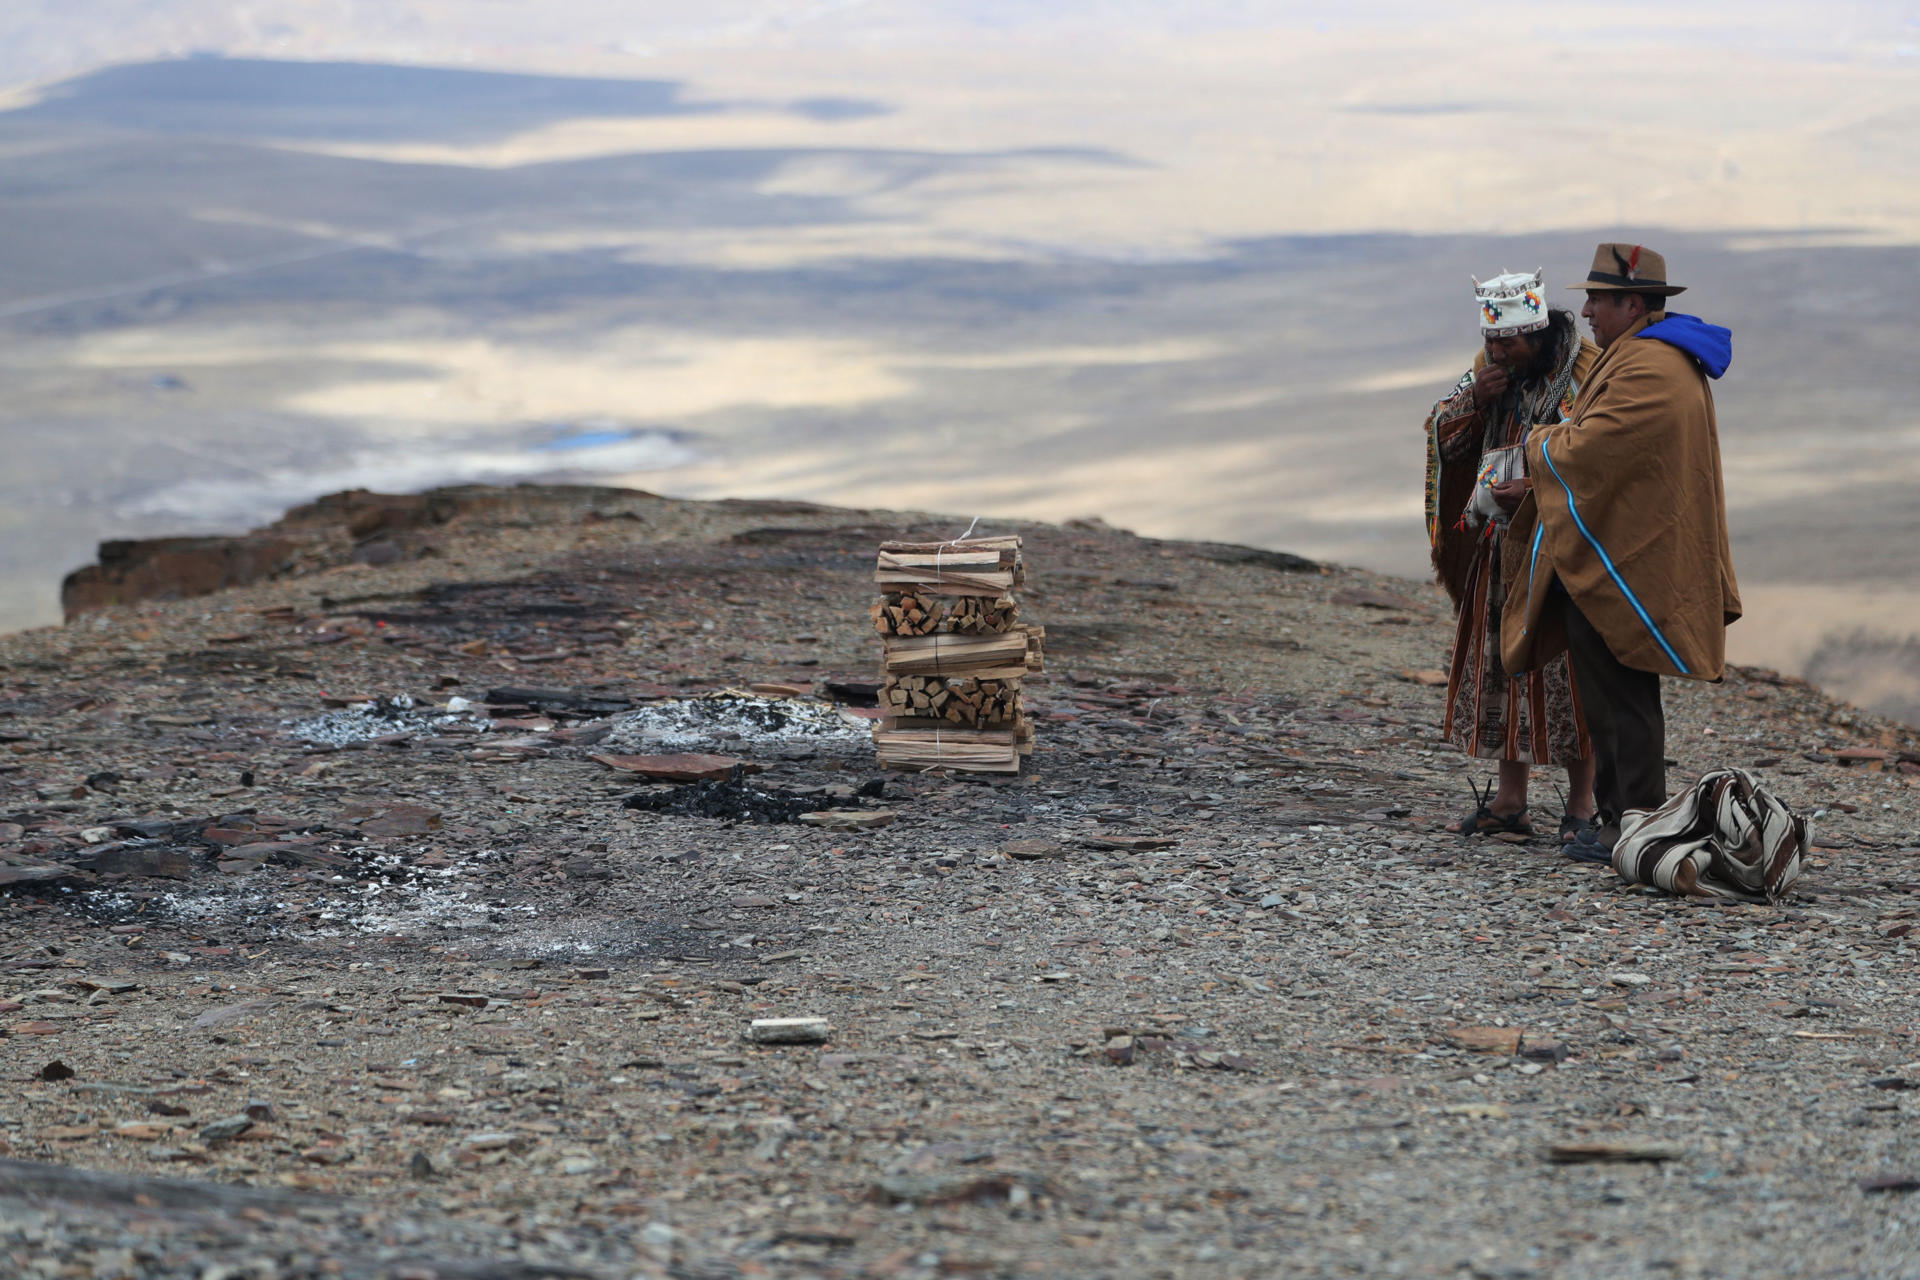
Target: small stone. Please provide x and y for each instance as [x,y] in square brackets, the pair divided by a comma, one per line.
[1367,598]
[1898,1182]
[142,1131]
[1614,1152]
[789,1030]
[400,820]
[1544,1050]
[56,1070]
[1033,850]
[179,1155]
[1130,844]
[1862,755]
[490,1141]
[225,1130]
[419,1167]
[1629,979]
[260,1110]
[227,1015]
[955,1187]
[774,689]
[1486,1039]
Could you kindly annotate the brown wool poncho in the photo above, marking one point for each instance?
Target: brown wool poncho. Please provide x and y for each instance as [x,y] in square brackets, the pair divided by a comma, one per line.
[1628,511]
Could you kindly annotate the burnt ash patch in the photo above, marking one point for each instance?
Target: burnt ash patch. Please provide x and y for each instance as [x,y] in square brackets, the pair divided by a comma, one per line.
[732,800]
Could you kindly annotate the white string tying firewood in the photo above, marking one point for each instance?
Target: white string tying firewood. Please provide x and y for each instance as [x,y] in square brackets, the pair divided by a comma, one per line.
[939,666]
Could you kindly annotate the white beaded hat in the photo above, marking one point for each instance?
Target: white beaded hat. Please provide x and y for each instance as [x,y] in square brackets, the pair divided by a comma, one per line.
[1513,302]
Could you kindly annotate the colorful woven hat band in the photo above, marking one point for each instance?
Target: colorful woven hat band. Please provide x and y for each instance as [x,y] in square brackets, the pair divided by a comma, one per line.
[1511,303]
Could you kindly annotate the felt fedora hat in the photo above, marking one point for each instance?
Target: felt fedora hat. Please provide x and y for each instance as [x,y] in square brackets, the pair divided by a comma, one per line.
[1628,268]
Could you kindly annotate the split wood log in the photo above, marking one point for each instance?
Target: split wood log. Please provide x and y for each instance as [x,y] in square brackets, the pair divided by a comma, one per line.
[1007,548]
[1002,656]
[913,613]
[949,582]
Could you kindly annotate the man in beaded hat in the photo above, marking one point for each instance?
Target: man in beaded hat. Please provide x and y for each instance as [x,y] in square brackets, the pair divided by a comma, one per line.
[1620,551]
[1531,365]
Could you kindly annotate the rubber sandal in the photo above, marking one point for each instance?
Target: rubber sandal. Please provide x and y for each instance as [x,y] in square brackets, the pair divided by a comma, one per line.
[1483,821]
[1571,827]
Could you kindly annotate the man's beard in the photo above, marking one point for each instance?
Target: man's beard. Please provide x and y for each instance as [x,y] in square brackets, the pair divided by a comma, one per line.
[1536,368]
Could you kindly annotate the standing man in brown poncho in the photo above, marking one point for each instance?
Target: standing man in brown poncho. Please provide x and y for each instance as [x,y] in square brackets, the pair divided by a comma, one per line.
[1621,546]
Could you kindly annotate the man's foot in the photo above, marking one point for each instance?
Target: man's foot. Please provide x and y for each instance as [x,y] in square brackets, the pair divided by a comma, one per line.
[1572,824]
[1592,845]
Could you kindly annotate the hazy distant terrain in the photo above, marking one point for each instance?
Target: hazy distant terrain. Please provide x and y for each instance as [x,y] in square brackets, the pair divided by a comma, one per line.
[876,254]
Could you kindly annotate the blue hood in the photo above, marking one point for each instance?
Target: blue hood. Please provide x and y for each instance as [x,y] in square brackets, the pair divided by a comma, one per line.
[1710,344]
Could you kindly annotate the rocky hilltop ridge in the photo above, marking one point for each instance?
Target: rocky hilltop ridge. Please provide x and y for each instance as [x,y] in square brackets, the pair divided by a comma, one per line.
[354,924]
[356,526]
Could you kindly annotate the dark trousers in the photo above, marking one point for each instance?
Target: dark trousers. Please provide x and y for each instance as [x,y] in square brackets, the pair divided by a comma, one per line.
[1629,730]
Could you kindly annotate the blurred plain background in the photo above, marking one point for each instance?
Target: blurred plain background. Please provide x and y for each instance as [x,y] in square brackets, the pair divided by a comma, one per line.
[1198,269]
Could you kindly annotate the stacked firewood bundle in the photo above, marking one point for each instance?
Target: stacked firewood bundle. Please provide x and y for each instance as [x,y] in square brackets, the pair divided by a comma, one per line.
[955,654]
[961,699]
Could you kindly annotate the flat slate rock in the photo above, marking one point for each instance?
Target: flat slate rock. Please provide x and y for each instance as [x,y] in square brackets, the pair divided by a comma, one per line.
[1129,844]
[849,819]
[1368,598]
[123,860]
[33,875]
[690,767]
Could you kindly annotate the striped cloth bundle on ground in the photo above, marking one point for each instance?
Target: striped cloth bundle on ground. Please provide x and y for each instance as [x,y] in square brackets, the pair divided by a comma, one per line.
[1725,836]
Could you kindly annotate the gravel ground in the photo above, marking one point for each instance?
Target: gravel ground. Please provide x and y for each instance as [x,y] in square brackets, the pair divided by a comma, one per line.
[1206,992]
